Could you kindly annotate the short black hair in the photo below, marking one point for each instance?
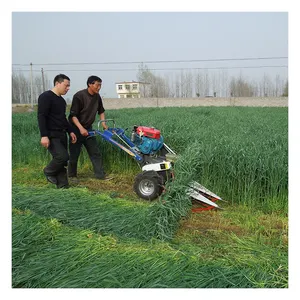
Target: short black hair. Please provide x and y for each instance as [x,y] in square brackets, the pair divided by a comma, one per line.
[60,78]
[92,79]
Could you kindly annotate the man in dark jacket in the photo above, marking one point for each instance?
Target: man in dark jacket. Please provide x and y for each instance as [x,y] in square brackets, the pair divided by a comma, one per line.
[85,105]
[53,126]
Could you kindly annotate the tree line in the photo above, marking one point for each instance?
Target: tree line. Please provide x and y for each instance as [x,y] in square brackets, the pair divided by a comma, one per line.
[21,87]
[188,84]
[183,84]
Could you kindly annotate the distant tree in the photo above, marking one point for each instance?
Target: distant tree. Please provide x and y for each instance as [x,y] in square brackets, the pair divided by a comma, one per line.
[206,83]
[224,84]
[240,88]
[167,91]
[21,88]
[199,84]
[38,83]
[186,84]
[145,77]
[182,85]
[255,88]
[267,85]
[190,80]
[215,84]
[177,86]
[152,85]
[172,92]
[286,89]
[277,86]
[15,84]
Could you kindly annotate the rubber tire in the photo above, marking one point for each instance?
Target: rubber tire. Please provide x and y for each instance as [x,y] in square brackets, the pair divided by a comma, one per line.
[155,181]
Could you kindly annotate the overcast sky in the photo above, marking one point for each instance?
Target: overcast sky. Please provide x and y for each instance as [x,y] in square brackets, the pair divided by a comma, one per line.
[93,38]
[43,38]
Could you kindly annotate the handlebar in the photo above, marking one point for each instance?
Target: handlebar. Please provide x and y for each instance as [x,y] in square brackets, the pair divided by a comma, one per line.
[106,121]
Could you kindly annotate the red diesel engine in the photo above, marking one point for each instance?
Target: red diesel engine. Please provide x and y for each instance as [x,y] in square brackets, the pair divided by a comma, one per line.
[149,132]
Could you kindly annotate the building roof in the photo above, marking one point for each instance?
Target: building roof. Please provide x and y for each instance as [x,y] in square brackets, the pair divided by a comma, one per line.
[132,82]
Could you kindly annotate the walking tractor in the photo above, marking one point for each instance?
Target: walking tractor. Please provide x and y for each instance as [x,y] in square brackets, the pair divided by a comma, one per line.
[146,145]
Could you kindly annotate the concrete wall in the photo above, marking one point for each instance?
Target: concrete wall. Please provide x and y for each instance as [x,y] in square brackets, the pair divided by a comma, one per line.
[116,103]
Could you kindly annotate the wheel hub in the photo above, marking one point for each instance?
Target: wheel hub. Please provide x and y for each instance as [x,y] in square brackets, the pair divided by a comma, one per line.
[146,187]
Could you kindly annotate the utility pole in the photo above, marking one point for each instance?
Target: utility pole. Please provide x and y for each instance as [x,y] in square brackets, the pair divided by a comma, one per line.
[31,87]
[43,79]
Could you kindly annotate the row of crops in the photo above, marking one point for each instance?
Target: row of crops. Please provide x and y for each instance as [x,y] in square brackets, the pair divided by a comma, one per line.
[49,253]
[239,153]
[78,238]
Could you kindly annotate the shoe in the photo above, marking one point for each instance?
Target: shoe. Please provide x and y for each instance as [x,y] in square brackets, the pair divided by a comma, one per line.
[51,179]
[105,178]
[73,180]
[63,186]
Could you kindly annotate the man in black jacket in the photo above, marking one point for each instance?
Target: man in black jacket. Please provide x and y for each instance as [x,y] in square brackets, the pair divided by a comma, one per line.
[53,126]
[85,105]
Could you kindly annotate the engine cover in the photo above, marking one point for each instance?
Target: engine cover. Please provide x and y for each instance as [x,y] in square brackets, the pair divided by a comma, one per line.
[148,132]
[149,146]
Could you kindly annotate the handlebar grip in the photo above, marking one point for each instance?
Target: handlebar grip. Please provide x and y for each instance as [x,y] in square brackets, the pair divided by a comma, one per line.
[106,121]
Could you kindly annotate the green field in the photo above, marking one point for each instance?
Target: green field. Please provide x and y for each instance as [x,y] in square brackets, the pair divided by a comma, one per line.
[101,235]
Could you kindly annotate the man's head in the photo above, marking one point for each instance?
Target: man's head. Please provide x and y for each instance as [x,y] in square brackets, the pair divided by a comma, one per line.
[94,84]
[61,84]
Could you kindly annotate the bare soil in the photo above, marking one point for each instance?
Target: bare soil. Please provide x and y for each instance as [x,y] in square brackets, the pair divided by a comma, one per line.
[22,108]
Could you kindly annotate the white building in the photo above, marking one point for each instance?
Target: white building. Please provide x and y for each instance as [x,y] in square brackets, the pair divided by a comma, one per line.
[131,89]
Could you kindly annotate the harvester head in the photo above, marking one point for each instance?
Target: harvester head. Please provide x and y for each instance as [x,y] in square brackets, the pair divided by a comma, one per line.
[202,198]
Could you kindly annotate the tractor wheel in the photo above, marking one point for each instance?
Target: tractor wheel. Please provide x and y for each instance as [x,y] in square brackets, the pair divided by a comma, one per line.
[148,185]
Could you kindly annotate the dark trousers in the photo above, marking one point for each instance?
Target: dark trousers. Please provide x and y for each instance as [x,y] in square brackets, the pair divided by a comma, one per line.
[90,143]
[59,151]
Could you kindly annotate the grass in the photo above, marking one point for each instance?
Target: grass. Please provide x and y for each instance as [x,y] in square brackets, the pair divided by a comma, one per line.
[240,153]
[99,234]
[49,254]
[81,238]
